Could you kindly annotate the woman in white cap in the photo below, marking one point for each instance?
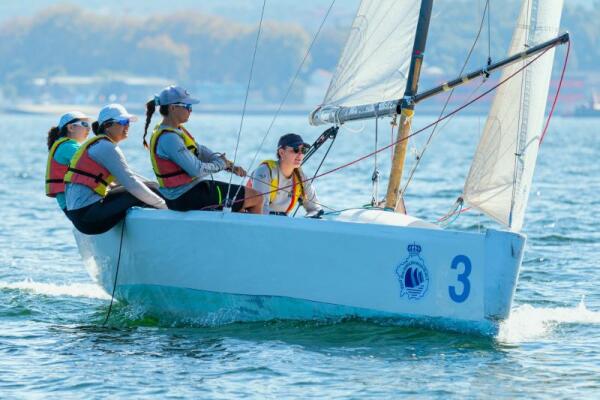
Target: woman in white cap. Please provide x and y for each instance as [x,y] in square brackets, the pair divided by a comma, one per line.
[91,205]
[184,168]
[63,141]
[282,181]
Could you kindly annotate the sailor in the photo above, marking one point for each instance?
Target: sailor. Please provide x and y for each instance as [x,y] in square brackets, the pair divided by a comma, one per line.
[63,141]
[92,205]
[184,168]
[282,181]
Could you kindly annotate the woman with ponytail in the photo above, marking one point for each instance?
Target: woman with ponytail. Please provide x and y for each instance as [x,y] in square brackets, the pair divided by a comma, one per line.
[184,168]
[63,141]
[92,206]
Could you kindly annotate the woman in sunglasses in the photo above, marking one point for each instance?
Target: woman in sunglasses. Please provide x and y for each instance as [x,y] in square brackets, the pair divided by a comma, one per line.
[282,181]
[92,205]
[184,168]
[63,141]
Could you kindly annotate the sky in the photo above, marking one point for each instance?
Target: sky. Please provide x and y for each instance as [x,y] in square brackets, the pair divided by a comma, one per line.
[305,12]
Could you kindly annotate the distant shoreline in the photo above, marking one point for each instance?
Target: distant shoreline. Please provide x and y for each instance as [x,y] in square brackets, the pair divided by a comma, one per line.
[262,109]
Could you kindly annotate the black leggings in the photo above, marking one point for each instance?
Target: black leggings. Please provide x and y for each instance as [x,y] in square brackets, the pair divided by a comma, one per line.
[208,195]
[101,216]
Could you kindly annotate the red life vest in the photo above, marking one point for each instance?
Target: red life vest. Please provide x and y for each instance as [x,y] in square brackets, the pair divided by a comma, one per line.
[55,171]
[85,171]
[168,173]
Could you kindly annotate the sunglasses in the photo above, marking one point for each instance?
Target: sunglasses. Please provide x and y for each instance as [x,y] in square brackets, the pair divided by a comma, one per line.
[84,124]
[186,106]
[121,121]
[300,149]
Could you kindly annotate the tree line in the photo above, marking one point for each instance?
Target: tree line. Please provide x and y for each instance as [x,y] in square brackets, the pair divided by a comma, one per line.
[189,46]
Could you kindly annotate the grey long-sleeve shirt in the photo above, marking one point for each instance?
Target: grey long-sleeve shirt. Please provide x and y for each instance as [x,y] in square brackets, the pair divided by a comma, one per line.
[112,158]
[171,147]
[261,181]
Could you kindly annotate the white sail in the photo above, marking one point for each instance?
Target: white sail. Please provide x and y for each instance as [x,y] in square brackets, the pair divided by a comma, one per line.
[500,177]
[374,64]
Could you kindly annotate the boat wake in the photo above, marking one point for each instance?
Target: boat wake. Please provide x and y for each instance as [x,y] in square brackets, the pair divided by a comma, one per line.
[527,322]
[88,290]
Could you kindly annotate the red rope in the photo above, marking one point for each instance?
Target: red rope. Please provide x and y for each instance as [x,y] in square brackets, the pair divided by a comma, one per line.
[402,139]
[445,217]
[562,75]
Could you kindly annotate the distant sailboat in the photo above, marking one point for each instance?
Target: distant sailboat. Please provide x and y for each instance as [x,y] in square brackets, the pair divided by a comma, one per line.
[592,109]
[363,262]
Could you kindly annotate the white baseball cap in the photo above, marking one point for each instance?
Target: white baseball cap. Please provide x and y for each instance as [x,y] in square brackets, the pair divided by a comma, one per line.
[114,112]
[72,116]
[174,94]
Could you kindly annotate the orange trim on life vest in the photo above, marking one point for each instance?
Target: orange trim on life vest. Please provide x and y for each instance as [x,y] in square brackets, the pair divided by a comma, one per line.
[55,171]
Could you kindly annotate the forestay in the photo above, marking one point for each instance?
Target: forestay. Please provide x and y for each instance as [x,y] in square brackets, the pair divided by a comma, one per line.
[374,64]
[500,177]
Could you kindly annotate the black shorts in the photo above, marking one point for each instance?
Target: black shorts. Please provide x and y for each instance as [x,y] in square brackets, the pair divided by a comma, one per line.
[102,215]
[208,195]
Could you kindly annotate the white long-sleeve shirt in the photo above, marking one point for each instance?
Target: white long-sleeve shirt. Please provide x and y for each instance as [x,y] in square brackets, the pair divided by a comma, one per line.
[112,158]
[170,146]
[261,182]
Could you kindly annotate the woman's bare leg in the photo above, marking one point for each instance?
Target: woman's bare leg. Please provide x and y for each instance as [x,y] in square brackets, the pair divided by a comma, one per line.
[253,201]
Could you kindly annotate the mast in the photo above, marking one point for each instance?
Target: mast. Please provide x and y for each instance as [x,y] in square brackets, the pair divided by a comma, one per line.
[407,109]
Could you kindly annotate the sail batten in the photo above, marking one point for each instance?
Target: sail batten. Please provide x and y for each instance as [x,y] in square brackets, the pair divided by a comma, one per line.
[500,177]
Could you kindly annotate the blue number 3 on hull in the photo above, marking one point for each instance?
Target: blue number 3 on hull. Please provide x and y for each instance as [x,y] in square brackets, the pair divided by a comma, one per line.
[463,278]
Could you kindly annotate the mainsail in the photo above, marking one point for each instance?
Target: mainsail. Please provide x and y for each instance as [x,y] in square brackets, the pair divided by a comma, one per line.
[374,64]
[500,177]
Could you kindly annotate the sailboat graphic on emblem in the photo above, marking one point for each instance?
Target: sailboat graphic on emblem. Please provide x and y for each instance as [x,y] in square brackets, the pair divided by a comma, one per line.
[412,274]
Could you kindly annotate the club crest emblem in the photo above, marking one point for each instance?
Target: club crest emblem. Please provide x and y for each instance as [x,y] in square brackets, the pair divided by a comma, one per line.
[412,274]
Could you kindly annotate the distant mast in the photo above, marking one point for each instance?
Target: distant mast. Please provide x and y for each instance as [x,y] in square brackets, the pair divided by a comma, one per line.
[393,198]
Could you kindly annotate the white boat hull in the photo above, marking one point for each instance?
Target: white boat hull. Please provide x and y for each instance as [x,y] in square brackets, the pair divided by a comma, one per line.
[216,267]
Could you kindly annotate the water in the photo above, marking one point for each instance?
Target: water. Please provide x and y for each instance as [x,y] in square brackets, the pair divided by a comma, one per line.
[52,343]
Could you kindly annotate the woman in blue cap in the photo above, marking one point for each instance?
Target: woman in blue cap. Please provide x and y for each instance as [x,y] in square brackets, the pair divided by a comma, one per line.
[282,181]
[92,205]
[183,167]
[63,141]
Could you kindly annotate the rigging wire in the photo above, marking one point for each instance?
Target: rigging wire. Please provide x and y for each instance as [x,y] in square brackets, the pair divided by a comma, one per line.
[433,132]
[112,296]
[421,130]
[375,176]
[316,172]
[289,89]
[262,14]
[489,17]
[550,114]
[560,82]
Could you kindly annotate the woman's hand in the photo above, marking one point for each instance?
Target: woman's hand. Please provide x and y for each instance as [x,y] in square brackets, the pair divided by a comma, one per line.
[239,171]
[228,164]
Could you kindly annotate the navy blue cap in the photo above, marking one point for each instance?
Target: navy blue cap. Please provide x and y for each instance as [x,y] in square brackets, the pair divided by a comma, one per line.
[291,140]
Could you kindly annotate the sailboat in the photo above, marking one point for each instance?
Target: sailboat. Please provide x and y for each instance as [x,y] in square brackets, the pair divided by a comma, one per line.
[364,263]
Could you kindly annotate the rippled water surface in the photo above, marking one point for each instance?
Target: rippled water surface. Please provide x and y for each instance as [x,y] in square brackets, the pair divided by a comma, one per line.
[53,344]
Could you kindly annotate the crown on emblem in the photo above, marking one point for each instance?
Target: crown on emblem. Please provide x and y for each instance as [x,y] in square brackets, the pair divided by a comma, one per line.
[414,249]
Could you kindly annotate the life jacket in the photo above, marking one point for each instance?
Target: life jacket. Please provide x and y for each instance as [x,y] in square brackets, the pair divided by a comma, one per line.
[55,171]
[168,173]
[85,171]
[297,185]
